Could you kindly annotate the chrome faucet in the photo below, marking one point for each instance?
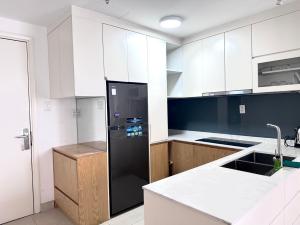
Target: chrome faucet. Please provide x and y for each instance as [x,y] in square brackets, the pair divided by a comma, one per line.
[278,152]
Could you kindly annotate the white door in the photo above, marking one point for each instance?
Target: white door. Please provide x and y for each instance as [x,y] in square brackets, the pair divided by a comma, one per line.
[16,191]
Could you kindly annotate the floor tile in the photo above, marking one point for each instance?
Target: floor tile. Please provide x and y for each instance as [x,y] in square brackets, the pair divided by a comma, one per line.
[24,221]
[140,223]
[51,217]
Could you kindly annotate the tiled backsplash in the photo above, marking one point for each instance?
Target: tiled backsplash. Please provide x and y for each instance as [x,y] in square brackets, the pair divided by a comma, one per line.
[222,114]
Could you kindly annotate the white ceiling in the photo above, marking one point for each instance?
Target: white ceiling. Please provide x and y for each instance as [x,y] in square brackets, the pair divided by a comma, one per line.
[198,14]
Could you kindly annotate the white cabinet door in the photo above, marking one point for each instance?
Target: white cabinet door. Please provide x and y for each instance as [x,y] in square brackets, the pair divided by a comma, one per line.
[213,64]
[137,57]
[157,90]
[115,53]
[54,64]
[192,69]
[276,35]
[238,59]
[88,58]
[66,60]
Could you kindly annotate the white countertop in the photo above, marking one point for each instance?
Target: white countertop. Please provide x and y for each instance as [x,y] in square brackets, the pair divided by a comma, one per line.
[223,193]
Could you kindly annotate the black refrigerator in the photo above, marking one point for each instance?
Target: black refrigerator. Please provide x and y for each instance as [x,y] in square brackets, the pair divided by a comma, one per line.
[128,144]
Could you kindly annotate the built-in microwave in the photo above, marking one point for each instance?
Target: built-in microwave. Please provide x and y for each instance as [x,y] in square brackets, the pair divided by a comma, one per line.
[277,72]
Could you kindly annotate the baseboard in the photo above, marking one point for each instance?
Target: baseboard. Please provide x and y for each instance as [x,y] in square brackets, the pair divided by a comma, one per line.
[47,205]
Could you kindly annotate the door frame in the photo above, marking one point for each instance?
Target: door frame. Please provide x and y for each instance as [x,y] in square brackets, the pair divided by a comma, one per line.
[33,114]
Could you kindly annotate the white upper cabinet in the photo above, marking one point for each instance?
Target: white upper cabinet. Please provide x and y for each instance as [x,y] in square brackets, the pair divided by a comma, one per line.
[276,35]
[88,58]
[137,57]
[192,69]
[157,90]
[238,59]
[75,59]
[213,64]
[115,53]
[125,55]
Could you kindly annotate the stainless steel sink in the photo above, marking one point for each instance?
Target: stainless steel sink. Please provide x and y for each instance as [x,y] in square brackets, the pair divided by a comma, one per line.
[258,163]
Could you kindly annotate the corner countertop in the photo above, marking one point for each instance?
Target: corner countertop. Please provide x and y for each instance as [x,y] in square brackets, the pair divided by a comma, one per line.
[77,151]
[210,188]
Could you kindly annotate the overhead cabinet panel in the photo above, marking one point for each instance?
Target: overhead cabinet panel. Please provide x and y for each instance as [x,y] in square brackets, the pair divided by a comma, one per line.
[75,59]
[88,58]
[137,57]
[213,64]
[276,35]
[192,69]
[115,53]
[238,59]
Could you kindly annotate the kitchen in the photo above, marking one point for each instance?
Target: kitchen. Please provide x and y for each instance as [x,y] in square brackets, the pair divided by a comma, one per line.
[130,122]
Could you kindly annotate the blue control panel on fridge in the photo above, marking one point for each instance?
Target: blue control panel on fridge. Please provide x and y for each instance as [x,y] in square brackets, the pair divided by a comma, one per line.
[135,128]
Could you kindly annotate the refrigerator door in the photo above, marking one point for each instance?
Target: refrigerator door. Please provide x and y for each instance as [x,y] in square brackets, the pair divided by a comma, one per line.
[128,144]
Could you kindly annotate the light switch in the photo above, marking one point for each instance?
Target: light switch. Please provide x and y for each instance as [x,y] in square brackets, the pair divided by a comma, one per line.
[242,109]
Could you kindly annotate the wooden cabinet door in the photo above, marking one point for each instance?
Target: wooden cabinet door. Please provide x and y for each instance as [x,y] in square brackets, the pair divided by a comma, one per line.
[115,53]
[238,59]
[213,64]
[182,155]
[137,57]
[157,90]
[203,154]
[222,152]
[159,157]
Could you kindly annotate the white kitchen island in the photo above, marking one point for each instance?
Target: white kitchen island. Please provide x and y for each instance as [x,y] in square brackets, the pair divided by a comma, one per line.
[211,194]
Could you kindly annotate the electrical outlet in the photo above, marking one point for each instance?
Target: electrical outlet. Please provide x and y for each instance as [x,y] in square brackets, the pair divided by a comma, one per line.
[242,109]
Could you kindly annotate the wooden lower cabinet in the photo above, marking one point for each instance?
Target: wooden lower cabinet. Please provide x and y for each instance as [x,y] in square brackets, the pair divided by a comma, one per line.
[81,184]
[204,154]
[182,156]
[185,156]
[159,158]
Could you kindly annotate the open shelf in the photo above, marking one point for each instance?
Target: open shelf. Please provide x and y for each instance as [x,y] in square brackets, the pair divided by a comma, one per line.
[173,72]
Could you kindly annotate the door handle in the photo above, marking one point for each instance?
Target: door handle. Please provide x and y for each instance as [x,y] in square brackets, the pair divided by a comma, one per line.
[25,137]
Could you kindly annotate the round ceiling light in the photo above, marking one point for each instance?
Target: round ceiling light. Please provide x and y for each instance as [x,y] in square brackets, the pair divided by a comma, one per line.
[171,22]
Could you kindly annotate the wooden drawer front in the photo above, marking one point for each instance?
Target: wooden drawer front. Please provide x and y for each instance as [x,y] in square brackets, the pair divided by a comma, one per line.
[65,179]
[159,161]
[66,205]
[182,155]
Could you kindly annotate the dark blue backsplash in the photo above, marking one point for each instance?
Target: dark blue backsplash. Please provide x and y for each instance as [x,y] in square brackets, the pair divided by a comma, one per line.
[221,114]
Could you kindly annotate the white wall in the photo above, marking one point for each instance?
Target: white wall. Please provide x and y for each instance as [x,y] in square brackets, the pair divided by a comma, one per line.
[91,120]
[55,124]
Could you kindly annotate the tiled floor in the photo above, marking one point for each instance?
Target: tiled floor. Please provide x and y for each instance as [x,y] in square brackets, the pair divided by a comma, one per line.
[56,217]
